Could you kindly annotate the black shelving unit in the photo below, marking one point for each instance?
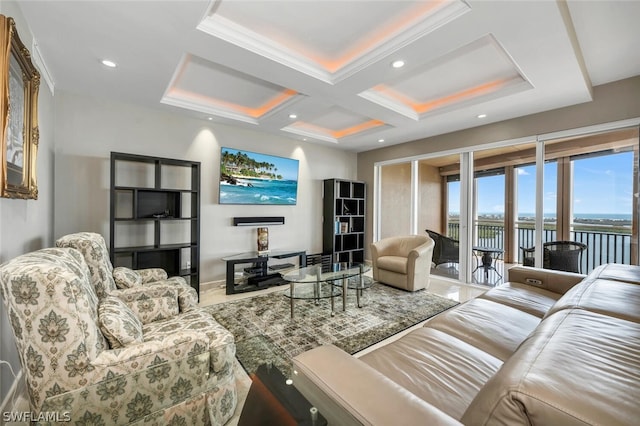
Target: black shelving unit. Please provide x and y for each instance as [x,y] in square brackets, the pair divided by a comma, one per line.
[344,220]
[155,215]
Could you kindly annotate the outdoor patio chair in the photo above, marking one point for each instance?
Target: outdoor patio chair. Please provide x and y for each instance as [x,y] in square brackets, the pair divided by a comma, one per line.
[446,249]
[557,255]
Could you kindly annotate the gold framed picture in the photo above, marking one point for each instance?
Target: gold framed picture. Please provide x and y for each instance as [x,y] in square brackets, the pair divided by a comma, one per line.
[19,84]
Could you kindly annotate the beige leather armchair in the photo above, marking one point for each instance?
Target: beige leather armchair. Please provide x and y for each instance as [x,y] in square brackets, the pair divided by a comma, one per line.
[403,262]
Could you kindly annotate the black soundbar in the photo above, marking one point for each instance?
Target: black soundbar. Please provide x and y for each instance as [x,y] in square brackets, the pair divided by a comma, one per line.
[258,221]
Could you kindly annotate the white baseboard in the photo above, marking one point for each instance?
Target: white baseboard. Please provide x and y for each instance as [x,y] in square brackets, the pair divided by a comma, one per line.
[211,285]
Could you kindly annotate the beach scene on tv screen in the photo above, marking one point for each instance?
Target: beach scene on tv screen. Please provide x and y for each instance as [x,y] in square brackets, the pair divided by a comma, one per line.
[252,178]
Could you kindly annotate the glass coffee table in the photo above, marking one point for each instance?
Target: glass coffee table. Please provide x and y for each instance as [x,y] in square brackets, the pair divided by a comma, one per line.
[315,283]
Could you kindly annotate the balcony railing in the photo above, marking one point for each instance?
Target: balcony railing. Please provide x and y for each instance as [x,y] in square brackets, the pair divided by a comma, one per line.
[603,247]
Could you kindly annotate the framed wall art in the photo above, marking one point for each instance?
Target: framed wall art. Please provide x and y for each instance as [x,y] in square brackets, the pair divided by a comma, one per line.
[19,83]
[253,178]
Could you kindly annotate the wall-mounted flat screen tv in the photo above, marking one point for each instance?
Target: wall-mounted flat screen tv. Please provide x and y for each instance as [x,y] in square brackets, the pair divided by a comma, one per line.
[251,178]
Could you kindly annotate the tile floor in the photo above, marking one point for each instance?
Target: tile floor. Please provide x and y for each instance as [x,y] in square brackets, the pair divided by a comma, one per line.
[490,277]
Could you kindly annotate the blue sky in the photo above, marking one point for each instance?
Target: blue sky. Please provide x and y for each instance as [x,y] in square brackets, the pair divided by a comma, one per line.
[602,185]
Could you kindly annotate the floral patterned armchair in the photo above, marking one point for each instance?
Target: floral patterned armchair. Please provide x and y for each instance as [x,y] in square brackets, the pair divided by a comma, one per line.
[95,361]
[123,282]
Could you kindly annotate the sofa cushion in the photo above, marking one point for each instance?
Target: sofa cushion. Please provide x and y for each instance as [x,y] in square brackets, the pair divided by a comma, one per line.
[393,263]
[617,272]
[369,398]
[527,298]
[489,326]
[437,367]
[576,368]
[221,341]
[126,278]
[118,323]
[614,298]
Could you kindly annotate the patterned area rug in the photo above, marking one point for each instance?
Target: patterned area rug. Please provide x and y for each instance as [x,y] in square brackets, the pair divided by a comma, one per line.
[265,332]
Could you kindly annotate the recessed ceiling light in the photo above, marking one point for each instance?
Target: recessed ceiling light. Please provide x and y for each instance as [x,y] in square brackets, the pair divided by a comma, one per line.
[292,116]
[380,140]
[209,118]
[108,63]
[482,115]
[398,64]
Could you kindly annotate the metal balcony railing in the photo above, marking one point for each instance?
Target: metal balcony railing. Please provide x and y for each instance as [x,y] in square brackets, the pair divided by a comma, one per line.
[603,247]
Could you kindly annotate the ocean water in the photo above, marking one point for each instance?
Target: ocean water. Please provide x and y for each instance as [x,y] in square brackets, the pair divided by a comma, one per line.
[591,216]
[261,191]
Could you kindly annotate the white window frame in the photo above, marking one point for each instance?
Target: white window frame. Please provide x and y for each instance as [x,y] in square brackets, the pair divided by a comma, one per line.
[466,186]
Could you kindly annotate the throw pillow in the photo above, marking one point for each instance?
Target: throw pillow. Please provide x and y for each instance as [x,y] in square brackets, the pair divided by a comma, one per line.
[118,323]
[126,278]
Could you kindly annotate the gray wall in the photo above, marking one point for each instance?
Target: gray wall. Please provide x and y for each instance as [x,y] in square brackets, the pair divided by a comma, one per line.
[88,129]
[26,225]
[612,102]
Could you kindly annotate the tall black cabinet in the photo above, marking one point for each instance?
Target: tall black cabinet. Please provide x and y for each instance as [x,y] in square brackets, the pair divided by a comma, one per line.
[344,220]
[155,214]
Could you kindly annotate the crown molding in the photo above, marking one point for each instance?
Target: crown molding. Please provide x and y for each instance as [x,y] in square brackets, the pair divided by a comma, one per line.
[238,35]
[393,105]
[229,31]
[309,134]
[206,108]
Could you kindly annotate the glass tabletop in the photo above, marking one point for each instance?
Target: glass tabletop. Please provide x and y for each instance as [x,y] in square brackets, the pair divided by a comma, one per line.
[271,253]
[315,273]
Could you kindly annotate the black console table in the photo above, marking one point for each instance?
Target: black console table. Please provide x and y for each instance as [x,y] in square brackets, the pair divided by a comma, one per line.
[257,275]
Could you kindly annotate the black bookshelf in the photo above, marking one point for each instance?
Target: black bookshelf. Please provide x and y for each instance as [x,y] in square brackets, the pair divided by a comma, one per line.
[344,220]
[155,214]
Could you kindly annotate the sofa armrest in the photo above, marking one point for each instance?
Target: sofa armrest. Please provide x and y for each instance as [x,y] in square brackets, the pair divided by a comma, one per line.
[149,275]
[556,281]
[425,249]
[187,295]
[349,392]
[179,345]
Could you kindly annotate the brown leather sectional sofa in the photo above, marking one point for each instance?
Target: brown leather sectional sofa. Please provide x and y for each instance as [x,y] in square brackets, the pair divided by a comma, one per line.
[548,348]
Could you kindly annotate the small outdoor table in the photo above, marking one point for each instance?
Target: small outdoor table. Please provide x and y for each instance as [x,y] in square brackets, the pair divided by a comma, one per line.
[486,256]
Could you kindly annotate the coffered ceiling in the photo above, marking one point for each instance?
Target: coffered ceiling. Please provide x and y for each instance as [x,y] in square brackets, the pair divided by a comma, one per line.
[322,71]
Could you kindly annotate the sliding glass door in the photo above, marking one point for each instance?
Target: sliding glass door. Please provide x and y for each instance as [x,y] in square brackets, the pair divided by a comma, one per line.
[571,198]
[597,177]
[438,210]
[526,208]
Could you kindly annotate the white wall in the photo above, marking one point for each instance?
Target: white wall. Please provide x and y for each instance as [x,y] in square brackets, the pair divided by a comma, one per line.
[26,225]
[88,129]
